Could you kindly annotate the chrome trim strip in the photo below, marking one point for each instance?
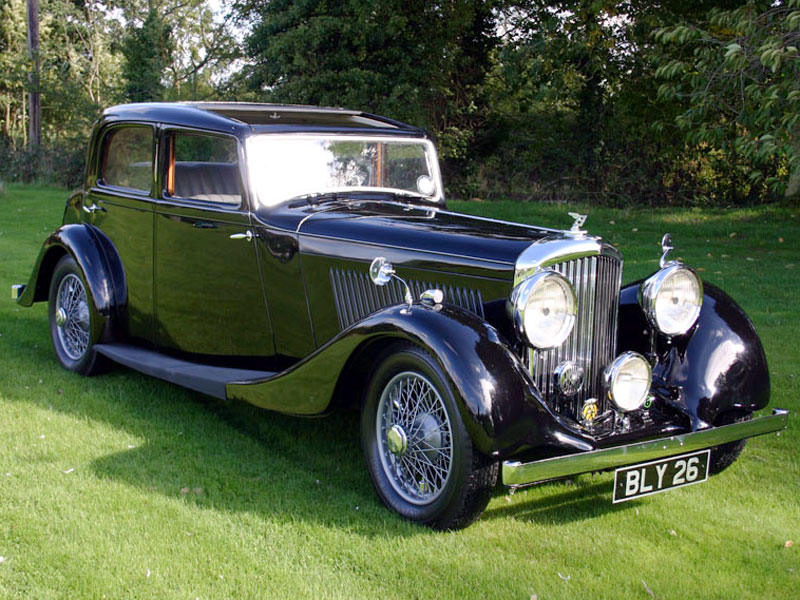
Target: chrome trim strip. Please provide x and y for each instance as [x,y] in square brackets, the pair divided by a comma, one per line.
[501,221]
[516,473]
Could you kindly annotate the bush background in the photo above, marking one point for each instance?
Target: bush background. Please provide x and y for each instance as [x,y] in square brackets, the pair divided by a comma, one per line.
[594,101]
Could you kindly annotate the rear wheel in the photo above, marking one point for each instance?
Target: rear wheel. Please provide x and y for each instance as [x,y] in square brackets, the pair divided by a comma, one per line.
[418,453]
[73,319]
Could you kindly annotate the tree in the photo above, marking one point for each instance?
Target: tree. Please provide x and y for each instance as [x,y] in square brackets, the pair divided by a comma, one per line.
[177,49]
[413,60]
[147,50]
[34,94]
[13,72]
[737,74]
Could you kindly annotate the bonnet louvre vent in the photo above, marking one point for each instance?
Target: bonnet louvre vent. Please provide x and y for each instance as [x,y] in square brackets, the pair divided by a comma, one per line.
[356,296]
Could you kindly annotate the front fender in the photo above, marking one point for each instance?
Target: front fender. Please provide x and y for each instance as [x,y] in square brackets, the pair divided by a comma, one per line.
[499,403]
[717,367]
[98,260]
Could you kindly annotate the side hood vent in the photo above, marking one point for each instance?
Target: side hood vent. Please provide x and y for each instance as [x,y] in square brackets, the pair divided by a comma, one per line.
[356,297]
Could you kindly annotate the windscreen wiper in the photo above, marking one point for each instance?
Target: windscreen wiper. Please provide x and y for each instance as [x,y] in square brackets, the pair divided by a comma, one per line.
[317,198]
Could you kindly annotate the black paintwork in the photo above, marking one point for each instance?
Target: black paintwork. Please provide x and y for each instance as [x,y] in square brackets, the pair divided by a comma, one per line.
[498,399]
[486,244]
[206,379]
[197,264]
[98,261]
[164,274]
[717,367]
[242,119]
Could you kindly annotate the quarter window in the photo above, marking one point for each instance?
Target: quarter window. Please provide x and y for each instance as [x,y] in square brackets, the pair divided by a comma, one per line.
[128,160]
[205,168]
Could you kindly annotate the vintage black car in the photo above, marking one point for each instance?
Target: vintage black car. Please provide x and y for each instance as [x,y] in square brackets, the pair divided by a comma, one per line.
[303,259]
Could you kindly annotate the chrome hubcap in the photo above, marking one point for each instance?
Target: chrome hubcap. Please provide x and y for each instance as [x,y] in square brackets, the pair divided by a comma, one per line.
[72,317]
[414,437]
[396,440]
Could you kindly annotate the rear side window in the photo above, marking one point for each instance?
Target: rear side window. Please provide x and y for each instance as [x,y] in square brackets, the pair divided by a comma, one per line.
[205,168]
[128,161]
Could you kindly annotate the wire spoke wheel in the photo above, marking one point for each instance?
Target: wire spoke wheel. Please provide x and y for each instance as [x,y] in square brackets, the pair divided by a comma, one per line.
[415,438]
[418,452]
[72,316]
[74,322]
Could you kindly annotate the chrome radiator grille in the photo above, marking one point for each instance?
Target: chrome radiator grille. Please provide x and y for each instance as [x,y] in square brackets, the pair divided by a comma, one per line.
[593,341]
[356,296]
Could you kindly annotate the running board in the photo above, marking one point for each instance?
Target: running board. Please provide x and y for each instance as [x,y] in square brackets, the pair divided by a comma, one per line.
[195,376]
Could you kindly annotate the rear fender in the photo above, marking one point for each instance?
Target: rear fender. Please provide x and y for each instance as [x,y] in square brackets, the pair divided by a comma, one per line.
[498,400]
[97,259]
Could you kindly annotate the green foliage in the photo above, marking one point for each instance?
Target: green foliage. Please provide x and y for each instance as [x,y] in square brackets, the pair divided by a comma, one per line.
[570,89]
[565,100]
[78,75]
[197,48]
[95,53]
[147,50]
[736,75]
[13,71]
[415,61]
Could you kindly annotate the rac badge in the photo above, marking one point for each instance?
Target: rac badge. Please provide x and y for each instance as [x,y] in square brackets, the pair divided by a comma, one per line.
[589,411]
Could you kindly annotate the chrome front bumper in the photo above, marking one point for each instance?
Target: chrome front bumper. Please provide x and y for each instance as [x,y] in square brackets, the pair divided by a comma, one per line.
[517,473]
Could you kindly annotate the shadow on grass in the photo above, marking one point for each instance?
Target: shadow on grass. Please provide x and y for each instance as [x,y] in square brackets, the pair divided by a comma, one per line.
[241,458]
[247,460]
[560,502]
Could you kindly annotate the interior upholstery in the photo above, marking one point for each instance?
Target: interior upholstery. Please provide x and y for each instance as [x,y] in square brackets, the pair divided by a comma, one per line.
[208,181]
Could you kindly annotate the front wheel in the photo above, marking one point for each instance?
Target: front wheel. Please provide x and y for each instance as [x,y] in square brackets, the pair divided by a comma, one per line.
[724,455]
[73,320]
[418,453]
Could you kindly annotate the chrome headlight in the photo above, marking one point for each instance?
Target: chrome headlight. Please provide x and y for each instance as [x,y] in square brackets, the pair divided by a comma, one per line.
[672,299]
[543,309]
[627,381]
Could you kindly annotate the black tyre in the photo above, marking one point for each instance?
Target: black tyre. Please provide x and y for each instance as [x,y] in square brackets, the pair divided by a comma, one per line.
[724,455]
[74,323]
[418,452]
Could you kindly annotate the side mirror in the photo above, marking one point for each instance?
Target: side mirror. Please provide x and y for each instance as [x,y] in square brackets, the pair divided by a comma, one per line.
[380,271]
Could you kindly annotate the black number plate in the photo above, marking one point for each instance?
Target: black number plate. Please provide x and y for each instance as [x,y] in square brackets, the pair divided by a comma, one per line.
[660,475]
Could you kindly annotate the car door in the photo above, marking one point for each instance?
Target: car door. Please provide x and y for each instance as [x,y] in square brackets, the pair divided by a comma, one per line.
[208,293]
[119,203]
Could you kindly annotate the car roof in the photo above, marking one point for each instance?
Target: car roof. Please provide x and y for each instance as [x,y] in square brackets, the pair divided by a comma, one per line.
[260,118]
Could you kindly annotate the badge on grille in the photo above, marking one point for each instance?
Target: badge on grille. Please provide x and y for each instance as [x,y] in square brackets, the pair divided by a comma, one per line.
[569,378]
[589,410]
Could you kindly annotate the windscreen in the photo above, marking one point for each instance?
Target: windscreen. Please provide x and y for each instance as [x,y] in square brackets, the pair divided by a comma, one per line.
[283,167]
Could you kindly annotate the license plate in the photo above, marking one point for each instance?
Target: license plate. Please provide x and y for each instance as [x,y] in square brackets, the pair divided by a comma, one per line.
[657,476]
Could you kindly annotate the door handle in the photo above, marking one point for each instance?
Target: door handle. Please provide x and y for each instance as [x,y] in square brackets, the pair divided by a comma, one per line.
[93,208]
[248,235]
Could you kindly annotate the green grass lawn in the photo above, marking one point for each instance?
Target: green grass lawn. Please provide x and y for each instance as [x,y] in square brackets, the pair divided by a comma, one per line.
[122,486]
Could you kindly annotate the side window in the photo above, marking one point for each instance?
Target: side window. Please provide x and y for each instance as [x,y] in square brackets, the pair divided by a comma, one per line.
[204,167]
[128,160]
